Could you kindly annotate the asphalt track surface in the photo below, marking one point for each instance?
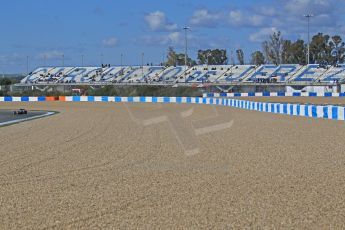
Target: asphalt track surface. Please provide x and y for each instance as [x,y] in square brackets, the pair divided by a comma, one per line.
[6,116]
[111,166]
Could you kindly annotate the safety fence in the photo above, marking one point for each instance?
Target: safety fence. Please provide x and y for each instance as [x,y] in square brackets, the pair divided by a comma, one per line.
[332,112]
[275,94]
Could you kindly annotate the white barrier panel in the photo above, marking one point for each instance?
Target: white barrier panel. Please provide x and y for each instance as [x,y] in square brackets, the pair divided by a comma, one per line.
[316,111]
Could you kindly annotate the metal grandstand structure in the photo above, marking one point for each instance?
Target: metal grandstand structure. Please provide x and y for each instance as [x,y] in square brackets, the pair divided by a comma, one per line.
[223,77]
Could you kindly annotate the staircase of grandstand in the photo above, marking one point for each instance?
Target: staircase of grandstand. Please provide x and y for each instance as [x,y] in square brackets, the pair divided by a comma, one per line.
[222,74]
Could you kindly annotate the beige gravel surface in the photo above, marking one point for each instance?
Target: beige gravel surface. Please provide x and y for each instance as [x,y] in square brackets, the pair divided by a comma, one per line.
[91,166]
[310,100]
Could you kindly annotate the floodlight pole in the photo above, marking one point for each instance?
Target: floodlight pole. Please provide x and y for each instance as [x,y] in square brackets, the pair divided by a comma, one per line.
[142,64]
[186,28]
[82,60]
[27,65]
[44,60]
[63,59]
[308,16]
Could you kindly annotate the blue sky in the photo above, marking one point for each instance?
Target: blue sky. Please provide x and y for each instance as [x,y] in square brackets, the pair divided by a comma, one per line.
[103,29]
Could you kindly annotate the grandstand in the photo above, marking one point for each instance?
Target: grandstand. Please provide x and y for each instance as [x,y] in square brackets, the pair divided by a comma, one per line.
[272,76]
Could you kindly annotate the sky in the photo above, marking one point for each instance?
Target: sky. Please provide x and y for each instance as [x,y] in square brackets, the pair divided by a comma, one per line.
[45,31]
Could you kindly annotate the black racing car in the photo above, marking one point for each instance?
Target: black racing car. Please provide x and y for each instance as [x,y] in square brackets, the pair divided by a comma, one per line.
[20,112]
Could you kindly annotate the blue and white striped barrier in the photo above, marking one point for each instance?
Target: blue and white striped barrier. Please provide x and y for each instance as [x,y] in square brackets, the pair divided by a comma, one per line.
[274,94]
[332,112]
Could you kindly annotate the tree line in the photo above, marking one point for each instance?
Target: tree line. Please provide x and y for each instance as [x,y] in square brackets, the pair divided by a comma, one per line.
[324,49]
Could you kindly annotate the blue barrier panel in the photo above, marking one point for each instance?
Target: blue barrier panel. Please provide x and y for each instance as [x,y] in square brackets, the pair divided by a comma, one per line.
[306,110]
[237,94]
[313,111]
[210,95]
[296,94]
[7,98]
[41,98]
[251,94]
[25,99]
[331,112]
[266,94]
[166,99]
[341,94]
[311,94]
[328,95]
[281,94]
[142,99]
[76,98]
[285,108]
[325,112]
[335,113]
[223,94]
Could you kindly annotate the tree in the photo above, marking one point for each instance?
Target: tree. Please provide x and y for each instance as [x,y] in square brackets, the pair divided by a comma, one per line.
[5,81]
[258,58]
[320,51]
[294,52]
[240,56]
[172,57]
[177,59]
[181,60]
[273,48]
[338,49]
[212,57]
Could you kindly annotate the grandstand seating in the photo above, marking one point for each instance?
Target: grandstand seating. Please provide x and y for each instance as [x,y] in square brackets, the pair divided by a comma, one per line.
[334,74]
[226,74]
[310,73]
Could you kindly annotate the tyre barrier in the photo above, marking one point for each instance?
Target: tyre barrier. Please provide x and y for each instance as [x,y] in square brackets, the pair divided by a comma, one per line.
[332,112]
[274,94]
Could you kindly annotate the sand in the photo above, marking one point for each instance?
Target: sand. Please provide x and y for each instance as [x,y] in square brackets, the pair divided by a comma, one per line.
[100,165]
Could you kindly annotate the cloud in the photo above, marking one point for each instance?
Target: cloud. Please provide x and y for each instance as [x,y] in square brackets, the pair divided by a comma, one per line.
[205,18]
[110,42]
[12,59]
[245,19]
[172,38]
[50,55]
[157,21]
[262,34]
